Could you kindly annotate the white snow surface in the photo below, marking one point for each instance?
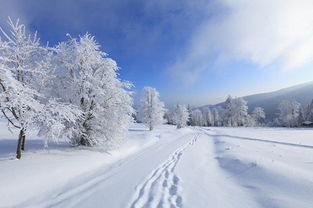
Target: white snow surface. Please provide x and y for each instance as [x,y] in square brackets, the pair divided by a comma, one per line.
[191,167]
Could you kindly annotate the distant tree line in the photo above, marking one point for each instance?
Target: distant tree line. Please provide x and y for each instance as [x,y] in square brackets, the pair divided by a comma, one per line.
[233,113]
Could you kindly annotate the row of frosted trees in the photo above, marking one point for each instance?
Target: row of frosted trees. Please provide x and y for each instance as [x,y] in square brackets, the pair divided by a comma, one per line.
[233,113]
[70,90]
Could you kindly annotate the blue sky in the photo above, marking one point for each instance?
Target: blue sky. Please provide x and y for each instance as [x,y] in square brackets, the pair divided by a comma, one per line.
[194,52]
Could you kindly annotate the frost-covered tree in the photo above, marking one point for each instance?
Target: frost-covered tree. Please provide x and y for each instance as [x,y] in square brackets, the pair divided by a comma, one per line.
[308,114]
[88,79]
[257,115]
[302,116]
[236,112]
[196,118]
[19,101]
[218,114]
[151,111]
[71,91]
[169,116]
[57,115]
[229,118]
[180,116]
[189,111]
[23,77]
[208,117]
[289,113]
[242,116]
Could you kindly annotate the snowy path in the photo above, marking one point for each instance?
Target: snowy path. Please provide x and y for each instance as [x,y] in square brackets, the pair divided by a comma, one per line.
[161,188]
[101,187]
[188,168]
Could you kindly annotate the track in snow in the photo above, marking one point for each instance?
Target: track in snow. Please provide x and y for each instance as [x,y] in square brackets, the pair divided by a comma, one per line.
[160,189]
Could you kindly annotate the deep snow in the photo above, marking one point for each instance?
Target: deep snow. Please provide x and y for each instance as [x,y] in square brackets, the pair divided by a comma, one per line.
[192,168]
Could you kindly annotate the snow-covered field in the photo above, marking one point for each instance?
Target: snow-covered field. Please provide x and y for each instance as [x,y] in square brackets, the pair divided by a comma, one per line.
[190,168]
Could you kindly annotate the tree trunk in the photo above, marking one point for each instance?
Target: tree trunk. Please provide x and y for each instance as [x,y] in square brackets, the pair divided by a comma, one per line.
[84,141]
[23,141]
[21,137]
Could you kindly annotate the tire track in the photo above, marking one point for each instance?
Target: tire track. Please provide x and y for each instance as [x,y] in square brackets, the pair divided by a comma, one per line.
[161,188]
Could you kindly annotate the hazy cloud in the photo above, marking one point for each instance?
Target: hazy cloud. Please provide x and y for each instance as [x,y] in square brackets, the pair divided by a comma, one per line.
[263,32]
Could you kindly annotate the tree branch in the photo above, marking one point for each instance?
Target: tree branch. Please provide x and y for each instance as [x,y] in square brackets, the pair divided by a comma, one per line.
[5,115]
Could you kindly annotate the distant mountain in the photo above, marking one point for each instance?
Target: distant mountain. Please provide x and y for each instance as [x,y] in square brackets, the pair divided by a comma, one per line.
[302,93]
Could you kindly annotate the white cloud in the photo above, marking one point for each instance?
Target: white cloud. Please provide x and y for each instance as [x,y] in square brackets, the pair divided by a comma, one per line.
[263,32]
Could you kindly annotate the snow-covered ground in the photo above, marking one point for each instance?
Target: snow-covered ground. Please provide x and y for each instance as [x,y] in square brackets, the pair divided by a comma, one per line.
[190,168]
